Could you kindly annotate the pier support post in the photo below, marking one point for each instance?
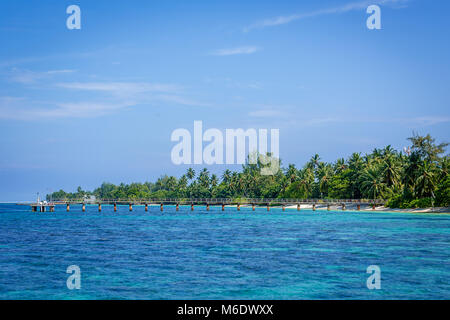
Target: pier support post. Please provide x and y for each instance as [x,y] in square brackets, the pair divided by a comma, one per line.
[42,208]
[115,207]
[146,207]
[99,207]
[223,207]
[177,207]
[34,208]
[67,207]
[130,207]
[358,207]
[83,207]
[314,207]
[298,207]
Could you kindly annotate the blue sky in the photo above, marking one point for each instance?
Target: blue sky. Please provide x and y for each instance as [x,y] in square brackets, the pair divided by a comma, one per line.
[79,107]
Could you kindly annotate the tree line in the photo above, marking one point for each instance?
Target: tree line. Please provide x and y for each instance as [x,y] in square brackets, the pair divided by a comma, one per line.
[416,177]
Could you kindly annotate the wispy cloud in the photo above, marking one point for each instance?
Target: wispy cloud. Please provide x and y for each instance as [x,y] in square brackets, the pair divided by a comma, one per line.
[280,20]
[140,92]
[119,95]
[421,121]
[23,109]
[60,71]
[28,77]
[425,121]
[234,51]
[291,119]
[81,109]
[121,88]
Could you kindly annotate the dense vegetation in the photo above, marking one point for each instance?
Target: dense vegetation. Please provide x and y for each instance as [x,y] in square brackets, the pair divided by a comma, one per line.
[415,178]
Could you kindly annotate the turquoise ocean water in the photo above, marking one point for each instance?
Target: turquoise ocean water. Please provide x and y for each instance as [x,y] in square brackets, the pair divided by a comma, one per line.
[216,255]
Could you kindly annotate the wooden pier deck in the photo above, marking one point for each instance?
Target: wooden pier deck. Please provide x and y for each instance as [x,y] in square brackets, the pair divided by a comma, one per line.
[223,202]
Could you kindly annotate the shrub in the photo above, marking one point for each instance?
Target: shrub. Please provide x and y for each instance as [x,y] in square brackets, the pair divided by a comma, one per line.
[421,203]
[395,202]
[399,201]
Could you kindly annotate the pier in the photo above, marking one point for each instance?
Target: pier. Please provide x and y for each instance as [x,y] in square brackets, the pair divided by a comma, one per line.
[223,202]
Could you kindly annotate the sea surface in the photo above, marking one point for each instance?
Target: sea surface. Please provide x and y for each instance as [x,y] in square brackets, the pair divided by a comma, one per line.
[215,255]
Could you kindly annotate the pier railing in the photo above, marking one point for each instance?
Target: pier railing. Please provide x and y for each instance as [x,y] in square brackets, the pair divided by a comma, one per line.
[43,205]
[217,201]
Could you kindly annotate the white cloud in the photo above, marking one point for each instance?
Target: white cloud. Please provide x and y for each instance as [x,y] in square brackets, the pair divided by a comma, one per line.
[60,71]
[335,10]
[234,51]
[28,77]
[407,121]
[120,88]
[140,92]
[120,95]
[23,109]
[425,121]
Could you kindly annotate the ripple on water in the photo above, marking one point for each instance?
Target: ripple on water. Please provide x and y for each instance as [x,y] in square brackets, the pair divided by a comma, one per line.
[215,255]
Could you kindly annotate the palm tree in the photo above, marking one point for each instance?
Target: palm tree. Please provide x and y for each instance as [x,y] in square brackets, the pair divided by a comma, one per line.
[372,183]
[355,161]
[325,174]
[411,173]
[356,165]
[171,183]
[182,184]
[315,161]
[214,180]
[226,177]
[159,184]
[426,180]
[444,166]
[388,151]
[306,181]
[340,165]
[377,153]
[190,173]
[292,173]
[240,183]
[203,178]
[284,183]
[391,170]
[234,183]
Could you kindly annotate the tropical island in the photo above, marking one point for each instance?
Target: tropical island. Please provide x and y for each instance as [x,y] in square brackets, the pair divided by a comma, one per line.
[416,177]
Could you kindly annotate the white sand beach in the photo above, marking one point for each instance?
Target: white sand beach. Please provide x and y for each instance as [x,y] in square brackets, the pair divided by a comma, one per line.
[352,207]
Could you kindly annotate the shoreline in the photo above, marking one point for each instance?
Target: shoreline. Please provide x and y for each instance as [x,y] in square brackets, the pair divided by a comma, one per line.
[351,208]
[377,209]
[319,207]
